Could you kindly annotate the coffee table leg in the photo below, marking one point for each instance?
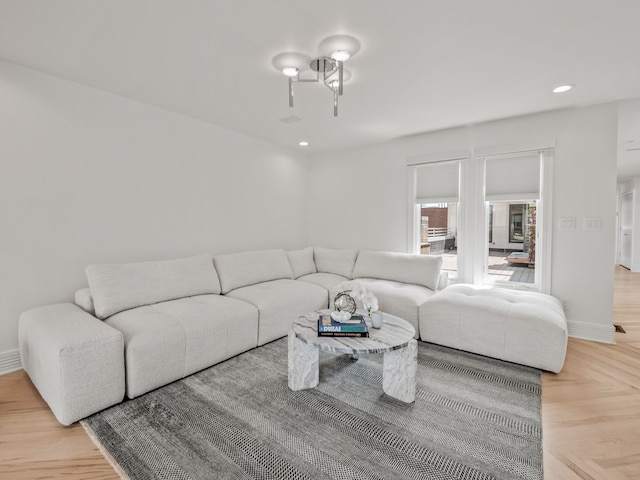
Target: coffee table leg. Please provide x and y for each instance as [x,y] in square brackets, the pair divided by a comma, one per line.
[303,364]
[399,372]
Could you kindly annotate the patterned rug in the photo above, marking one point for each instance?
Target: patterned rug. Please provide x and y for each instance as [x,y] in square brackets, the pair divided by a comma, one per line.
[473,418]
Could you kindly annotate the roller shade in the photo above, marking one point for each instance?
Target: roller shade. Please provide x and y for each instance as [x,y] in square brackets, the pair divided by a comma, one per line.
[437,183]
[513,177]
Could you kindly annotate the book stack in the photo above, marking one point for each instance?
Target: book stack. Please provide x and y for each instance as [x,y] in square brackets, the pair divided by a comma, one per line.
[355,327]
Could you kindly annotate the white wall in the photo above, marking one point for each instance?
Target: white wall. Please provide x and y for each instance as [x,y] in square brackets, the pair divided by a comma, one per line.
[628,186]
[89,177]
[359,198]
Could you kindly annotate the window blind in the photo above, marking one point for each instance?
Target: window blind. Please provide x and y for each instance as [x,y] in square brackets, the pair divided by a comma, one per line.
[513,177]
[437,183]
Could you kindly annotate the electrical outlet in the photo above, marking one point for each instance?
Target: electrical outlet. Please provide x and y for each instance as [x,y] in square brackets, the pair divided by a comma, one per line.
[592,223]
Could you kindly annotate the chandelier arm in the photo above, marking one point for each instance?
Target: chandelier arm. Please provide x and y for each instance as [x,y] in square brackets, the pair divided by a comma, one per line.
[328,85]
[335,102]
[291,92]
[340,74]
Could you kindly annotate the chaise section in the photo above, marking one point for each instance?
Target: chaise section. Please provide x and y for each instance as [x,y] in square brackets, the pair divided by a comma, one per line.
[529,328]
[170,340]
[74,360]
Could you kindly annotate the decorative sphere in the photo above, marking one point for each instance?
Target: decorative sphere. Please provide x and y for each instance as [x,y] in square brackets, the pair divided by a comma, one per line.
[345,303]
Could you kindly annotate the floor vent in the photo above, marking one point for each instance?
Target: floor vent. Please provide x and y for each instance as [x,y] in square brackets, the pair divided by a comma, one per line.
[619,328]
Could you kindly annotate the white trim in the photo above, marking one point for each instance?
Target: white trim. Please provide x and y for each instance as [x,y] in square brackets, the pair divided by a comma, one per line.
[451,156]
[591,331]
[511,197]
[10,361]
[412,212]
[427,200]
[632,193]
[515,148]
[545,224]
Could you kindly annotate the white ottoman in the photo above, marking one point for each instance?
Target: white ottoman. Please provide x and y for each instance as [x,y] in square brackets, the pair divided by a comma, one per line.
[528,328]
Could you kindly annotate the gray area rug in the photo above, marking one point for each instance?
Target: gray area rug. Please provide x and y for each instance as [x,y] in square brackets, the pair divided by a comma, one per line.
[473,418]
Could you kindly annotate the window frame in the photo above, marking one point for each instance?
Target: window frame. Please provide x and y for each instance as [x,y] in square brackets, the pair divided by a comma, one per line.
[472,229]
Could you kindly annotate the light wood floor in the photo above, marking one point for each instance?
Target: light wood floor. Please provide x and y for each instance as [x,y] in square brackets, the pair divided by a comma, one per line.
[591,414]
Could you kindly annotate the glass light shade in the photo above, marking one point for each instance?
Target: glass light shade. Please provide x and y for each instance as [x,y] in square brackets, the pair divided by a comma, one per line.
[341,55]
[290,71]
[333,80]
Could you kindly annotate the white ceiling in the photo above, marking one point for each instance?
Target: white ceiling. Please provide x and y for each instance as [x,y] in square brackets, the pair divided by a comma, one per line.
[423,65]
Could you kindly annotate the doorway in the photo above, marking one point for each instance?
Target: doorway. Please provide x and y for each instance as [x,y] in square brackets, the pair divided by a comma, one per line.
[625,216]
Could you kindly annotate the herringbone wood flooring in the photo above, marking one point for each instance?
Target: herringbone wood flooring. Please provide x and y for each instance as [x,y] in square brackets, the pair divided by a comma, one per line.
[591,414]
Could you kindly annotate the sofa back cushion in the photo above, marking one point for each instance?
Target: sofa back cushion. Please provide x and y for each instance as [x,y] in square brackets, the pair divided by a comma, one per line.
[84,300]
[340,262]
[301,262]
[115,288]
[249,268]
[400,267]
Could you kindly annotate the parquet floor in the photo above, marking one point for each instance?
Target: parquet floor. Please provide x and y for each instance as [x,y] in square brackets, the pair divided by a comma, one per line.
[591,410]
[591,414]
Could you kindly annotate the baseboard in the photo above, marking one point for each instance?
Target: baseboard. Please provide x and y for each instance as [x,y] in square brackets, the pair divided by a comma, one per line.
[10,361]
[590,331]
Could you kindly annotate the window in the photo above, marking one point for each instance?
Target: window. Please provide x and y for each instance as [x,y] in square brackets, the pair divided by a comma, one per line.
[488,216]
[512,195]
[436,206]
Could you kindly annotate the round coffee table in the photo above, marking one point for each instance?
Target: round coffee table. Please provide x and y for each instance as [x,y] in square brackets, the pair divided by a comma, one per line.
[395,339]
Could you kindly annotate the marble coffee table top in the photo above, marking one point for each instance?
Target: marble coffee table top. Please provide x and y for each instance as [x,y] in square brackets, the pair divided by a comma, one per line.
[394,334]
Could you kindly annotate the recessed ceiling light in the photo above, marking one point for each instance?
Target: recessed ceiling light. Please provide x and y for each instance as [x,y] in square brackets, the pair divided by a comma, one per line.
[562,88]
[303,143]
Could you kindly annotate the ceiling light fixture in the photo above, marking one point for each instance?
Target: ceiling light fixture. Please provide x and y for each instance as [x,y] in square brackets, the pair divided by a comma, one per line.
[290,71]
[303,143]
[328,68]
[562,88]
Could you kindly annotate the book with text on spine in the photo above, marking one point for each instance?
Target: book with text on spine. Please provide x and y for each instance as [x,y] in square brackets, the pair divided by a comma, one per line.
[355,327]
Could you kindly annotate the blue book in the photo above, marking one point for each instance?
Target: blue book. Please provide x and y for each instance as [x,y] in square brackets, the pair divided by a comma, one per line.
[355,327]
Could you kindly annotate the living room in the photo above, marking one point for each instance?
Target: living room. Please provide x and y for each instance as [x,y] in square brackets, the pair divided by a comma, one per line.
[132,168]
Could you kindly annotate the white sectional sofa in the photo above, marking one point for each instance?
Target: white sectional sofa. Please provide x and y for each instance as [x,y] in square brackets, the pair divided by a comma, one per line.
[142,325]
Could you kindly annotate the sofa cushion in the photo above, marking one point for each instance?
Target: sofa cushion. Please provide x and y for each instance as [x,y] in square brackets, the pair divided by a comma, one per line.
[238,270]
[115,288]
[301,262]
[84,300]
[328,281]
[170,340]
[280,302]
[400,299]
[400,267]
[340,262]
